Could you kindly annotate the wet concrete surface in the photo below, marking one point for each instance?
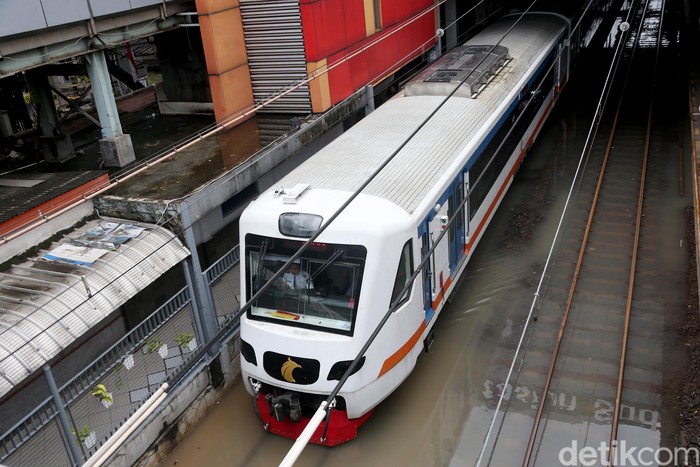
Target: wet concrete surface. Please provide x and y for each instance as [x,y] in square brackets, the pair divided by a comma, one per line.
[154,135]
[150,134]
[195,166]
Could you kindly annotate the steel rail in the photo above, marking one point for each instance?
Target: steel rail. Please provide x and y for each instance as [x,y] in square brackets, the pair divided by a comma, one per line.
[572,289]
[635,250]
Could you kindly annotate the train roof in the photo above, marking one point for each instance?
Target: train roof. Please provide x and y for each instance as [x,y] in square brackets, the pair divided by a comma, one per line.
[347,162]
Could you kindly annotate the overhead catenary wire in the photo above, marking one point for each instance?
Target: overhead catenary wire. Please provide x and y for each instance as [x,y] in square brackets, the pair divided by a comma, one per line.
[153,252]
[16,229]
[602,101]
[297,448]
[224,332]
[162,220]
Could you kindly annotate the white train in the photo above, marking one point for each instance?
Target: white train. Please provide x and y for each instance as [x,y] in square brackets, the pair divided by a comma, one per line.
[304,331]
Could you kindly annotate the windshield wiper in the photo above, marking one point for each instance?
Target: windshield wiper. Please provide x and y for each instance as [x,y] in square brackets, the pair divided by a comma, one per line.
[258,276]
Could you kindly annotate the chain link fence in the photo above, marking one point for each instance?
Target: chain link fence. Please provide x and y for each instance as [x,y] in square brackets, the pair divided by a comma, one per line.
[101,398]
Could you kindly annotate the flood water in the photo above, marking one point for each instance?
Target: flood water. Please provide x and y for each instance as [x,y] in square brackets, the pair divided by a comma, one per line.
[441,414]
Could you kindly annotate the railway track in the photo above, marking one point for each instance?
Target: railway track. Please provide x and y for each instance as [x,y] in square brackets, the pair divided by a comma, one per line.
[594,299]
[594,352]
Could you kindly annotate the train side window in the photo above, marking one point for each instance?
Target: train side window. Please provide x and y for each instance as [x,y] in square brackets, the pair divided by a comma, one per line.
[403,275]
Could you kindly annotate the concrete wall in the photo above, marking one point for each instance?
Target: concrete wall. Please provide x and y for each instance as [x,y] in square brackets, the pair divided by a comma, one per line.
[264,169]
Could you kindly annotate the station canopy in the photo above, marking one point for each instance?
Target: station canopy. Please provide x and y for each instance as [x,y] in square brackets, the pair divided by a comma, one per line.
[50,301]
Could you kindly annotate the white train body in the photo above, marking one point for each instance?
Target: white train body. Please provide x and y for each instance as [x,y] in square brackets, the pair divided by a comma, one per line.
[298,341]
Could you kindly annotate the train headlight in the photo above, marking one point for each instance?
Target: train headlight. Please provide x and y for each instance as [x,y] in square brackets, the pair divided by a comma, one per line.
[339,369]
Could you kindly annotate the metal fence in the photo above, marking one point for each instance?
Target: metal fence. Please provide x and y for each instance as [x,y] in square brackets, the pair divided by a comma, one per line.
[102,397]
[224,284]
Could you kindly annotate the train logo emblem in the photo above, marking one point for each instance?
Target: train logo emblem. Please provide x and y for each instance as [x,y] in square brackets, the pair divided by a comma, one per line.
[288,368]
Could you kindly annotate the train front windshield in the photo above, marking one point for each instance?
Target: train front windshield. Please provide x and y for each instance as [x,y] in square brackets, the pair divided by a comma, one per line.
[320,291]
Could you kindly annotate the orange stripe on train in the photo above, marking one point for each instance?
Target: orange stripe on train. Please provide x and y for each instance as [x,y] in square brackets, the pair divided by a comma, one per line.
[397,356]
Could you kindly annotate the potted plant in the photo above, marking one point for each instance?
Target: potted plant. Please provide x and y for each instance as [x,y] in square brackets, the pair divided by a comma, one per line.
[128,361]
[186,340]
[85,436]
[154,345]
[100,391]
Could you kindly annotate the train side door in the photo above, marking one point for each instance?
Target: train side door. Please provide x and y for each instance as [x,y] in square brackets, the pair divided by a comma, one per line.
[465,212]
[427,274]
[457,227]
[441,256]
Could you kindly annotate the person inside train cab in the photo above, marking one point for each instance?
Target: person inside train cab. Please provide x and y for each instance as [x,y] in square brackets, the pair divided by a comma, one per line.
[297,279]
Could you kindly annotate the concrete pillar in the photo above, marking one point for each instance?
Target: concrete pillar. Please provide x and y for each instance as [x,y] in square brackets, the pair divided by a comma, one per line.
[115,146]
[221,27]
[450,17]
[205,307]
[55,146]
[369,108]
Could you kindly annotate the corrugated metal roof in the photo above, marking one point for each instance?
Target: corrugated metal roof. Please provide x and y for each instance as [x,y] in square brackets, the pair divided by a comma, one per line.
[46,305]
[349,160]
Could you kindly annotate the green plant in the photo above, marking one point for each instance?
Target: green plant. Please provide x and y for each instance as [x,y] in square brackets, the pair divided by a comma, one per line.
[184,338]
[153,345]
[100,391]
[82,434]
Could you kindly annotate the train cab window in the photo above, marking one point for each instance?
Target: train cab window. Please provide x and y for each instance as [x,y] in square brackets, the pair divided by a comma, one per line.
[403,275]
[319,290]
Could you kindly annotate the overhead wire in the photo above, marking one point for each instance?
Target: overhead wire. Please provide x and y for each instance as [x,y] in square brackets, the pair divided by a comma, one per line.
[581,163]
[295,451]
[14,229]
[162,221]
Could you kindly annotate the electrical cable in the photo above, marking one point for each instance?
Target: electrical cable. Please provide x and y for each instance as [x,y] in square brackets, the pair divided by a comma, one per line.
[587,147]
[16,228]
[156,250]
[330,220]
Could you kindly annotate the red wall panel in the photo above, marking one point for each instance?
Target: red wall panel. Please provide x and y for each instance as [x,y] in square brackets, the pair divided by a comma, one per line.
[333,29]
[373,63]
[395,11]
[330,26]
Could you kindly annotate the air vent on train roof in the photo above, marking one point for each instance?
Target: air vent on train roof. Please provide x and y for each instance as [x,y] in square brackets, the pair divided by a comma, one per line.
[478,63]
